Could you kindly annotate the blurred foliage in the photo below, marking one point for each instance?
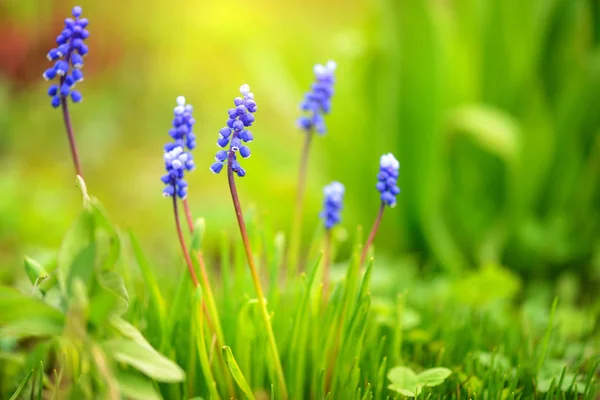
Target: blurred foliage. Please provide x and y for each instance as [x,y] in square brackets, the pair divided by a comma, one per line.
[491,106]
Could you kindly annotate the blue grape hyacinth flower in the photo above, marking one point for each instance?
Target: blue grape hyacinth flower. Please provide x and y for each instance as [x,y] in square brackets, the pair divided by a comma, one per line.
[183,125]
[332,206]
[235,134]
[177,161]
[387,178]
[68,59]
[317,102]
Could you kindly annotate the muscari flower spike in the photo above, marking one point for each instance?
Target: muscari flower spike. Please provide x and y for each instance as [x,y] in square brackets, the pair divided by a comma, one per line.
[317,102]
[388,179]
[177,160]
[68,59]
[235,133]
[332,206]
[183,124]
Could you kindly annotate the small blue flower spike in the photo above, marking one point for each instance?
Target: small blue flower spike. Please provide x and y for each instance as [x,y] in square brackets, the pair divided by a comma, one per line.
[317,102]
[235,135]
[388,179]
[177,161]
[183,124]
[68,59]
[332,206]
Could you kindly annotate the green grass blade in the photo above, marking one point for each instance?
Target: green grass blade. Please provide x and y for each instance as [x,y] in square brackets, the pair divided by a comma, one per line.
[21,386]
[237,373]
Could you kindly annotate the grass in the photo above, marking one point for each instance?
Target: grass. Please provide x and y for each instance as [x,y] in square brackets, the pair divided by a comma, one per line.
[111,325]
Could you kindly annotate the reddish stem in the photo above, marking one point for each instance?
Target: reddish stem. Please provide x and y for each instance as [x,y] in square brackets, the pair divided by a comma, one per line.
[70,135]
[372,234]
[186,254]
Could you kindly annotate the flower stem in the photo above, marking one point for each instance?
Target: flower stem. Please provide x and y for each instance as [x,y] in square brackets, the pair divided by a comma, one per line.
[210,302]
[70,135]
[256,280]
[326,264]
[369,242]
[296,232]
[186,254]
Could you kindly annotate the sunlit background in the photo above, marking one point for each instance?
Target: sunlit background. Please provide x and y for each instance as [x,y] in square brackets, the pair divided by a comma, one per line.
[491,108]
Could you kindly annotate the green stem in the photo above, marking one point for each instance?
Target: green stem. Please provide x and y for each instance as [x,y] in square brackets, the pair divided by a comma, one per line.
[296,232]
[256,280]
[210,302]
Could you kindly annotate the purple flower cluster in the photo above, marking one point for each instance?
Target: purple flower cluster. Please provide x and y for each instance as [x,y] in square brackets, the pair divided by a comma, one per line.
[235,133]
[332,206]
[177,160]
[68,59]
[317,102]
[183,124]
[388,179]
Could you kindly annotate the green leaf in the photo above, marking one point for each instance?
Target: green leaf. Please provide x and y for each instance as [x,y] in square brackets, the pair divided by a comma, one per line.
[82,268]
[491,128]
[406,382]
[21,386]
[403,378]
[110,297]
[31,327]
[144,359]
[136,387]
[433,376]
[19,311]
[35,272]
[129,331]
[237,373]
[79,237]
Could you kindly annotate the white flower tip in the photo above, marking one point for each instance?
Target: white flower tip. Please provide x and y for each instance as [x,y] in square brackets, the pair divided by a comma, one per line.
[331,65]
[388,160]
[245,89]
[180,100]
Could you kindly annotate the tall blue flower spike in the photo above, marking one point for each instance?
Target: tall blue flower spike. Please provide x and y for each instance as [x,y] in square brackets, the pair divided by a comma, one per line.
[388,179]
[177,162]
[317,102]
[332,206]
[68,59]
[183,125]
[235,133]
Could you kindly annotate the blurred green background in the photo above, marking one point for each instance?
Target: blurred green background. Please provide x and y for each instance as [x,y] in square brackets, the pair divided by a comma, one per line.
[491,106]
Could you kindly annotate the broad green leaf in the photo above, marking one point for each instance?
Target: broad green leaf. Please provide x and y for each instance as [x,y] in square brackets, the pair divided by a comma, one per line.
[433,376]
[109,298]
[136,387]
[403,377]
[237,373]
[17,393]
[144,359]
[82,267]
[18,307]
[79,237]
[405,381]
[32,327]
[129,331]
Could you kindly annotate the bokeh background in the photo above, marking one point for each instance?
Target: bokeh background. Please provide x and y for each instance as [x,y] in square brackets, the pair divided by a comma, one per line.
[491,106]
